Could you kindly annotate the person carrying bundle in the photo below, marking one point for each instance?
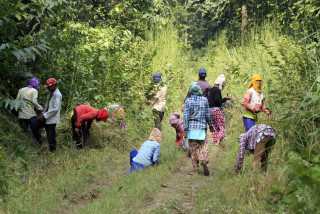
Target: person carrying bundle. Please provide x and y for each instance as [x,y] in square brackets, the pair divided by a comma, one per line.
[253,102]
[85,114]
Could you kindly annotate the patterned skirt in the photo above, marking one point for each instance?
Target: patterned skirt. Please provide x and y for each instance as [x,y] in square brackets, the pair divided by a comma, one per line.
[219,126]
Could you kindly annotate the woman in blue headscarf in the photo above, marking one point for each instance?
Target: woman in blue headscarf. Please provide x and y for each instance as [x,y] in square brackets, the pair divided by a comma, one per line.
[27,113]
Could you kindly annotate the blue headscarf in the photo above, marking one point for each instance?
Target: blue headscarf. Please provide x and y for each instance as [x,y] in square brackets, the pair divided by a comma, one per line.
[157,77]
[33,83]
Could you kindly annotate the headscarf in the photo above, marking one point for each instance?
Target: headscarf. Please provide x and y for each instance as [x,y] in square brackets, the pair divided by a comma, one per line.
[254,84]
[221,80]
[102,115]
[33,83]
[155,135]
[157,77]
[195,89]
[175,119]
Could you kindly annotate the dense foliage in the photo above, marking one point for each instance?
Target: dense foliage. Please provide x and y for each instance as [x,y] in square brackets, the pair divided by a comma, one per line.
[105,52]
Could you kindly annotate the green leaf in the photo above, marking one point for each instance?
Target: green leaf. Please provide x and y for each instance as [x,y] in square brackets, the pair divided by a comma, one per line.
[102,58]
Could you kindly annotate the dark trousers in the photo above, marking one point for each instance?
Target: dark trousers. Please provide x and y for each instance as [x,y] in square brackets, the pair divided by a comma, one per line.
[158,117]
[260,155]
[24,124]
[80,138]
[36,125]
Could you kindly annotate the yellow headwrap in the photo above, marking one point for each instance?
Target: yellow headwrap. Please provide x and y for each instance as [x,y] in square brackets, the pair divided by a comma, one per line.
[256,86]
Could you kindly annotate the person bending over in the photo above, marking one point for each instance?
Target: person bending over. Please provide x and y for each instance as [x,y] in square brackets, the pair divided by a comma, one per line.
[81,115]
[258,141]
[148,153]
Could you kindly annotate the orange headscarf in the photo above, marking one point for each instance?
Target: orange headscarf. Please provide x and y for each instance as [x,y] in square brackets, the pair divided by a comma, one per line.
[254,84]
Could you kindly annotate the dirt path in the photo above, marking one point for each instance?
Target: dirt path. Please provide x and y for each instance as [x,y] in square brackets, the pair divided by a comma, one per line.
[179,193]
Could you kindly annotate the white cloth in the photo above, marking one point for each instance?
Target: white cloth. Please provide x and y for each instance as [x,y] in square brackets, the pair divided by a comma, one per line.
[52,115]
[185,144]
[30,94]
[221,80]
[255,97]
[160,99]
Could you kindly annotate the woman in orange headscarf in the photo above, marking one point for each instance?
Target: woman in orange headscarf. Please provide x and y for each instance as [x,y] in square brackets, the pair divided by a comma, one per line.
[253,102]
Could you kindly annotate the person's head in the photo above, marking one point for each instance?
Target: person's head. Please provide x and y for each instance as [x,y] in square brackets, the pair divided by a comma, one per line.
[157,77]
[195,89]
[256,82]
[220,82]
[102,115]
[174,119]
[155,135]
[33,83]
[51,84]
[202,74]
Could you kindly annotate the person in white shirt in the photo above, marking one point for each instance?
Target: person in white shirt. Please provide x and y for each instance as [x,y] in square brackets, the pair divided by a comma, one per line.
[159,100]
[29,93]
[50,118]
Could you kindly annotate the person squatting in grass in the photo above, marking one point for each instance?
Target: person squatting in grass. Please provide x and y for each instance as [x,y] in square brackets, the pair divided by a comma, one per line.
[81,115]
[253,102]
[27,113]
[196,117]
[215,103]
[205,87]
[258,141]
[159,100]
[148,153]
[177,123]
[50,118]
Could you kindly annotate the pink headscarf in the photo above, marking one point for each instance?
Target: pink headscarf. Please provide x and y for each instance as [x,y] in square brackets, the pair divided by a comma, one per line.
[175,119]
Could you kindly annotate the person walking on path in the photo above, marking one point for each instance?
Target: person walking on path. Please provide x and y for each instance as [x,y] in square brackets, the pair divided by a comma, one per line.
[253,102]
[148,153]
[27,113]
[196,117]
[258,141]
[81,115]
[215,103]
[159,100]
[50,118]
[205,87]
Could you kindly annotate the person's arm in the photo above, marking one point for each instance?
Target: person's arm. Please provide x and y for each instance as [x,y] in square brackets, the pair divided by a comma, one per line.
[242,148]
[34,100]
[90,116]
[56,104]
[208,115]
[156,154]
[186,116]
[246,101]
[218,98]
[264,108]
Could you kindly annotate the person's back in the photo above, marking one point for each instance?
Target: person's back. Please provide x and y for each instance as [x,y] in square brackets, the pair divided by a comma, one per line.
[148,153]
[30,94]
[198,110]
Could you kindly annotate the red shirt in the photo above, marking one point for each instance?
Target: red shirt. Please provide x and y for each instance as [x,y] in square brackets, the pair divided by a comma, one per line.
[179,137]
[85,113]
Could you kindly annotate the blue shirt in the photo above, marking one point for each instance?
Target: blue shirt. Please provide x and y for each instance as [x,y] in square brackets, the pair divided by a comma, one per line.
[148,153]
[196,113]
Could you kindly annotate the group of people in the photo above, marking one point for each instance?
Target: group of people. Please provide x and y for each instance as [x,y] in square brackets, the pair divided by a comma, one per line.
[82,116]
[201,108]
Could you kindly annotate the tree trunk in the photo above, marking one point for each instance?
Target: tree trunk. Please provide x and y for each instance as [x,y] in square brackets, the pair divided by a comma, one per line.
[244,14]
[186,30]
